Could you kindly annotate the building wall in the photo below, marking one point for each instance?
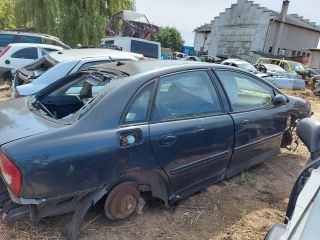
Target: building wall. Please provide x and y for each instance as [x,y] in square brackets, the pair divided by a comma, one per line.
[240,29]
[315,60]
[293,38]
[201,40]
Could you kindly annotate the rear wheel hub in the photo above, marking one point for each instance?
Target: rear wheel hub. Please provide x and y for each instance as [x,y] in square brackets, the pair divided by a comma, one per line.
[121,202]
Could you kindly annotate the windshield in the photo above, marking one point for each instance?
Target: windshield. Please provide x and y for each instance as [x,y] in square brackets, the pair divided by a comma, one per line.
[297,66]
[274,68]
[133,16]
[247,66]
[63,99]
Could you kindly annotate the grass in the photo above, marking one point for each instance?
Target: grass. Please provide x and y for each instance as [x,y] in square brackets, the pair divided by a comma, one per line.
[246,179]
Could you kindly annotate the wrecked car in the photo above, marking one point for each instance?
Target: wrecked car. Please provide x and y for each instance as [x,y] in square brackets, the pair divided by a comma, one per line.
[131,24]
[115,131]
[281,78]
[34,77]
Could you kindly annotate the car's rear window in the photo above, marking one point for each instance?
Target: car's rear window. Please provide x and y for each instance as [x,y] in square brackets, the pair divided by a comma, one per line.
[6,39]
[65,98]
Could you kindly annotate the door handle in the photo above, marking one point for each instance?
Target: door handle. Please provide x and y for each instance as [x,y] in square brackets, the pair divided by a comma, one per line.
[168,140]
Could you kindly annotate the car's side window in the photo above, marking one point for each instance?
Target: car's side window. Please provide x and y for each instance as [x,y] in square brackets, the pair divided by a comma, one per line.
[286,67]
[26,53]
[185,95]
[138,109]
[244,92]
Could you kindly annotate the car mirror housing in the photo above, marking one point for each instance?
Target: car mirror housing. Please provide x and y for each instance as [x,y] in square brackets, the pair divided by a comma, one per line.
[279,99]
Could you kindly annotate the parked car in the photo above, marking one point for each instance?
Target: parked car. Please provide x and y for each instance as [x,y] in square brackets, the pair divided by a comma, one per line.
[240,64]
[289,66]
[168,128]
[280,77]
[223,56]
[7,37]
[147,48]
[210,59]
[178,55]
[192,58]
[33,78]
[17,55]
[302,217]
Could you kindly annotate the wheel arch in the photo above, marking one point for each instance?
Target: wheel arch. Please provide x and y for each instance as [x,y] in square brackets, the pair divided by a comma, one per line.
[147,180]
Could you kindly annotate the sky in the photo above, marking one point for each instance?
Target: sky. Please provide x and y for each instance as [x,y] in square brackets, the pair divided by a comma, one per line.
[186,15]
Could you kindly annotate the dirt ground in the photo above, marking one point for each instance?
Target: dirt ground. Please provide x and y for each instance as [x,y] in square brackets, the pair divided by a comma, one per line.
[243,207]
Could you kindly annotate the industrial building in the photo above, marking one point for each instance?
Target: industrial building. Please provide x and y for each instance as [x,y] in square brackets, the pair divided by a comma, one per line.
[248,29]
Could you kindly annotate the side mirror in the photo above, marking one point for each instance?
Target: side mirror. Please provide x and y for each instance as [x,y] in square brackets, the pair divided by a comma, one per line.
[279,99]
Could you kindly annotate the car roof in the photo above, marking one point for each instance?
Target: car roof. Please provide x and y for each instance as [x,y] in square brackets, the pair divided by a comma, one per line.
[29,34]
[235,60]
[36,45]
[84,53]
[133,68]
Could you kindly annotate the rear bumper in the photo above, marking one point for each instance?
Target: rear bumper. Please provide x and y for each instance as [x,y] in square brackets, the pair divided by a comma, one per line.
[10,211]
[33,210]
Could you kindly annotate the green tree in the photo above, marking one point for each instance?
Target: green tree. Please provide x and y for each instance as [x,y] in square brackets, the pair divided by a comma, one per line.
[74,21]
[7,16]
[170,38]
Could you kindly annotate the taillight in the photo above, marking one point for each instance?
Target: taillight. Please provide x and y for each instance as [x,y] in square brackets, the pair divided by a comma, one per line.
[17,94]
[143,58]
[11,174]
[6,49]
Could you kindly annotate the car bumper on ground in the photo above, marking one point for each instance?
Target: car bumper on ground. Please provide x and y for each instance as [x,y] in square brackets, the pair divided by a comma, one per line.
[277,232]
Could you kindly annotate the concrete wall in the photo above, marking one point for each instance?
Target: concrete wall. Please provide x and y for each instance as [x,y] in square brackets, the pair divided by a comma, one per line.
[201,39]
[315,60]
[293,38]
[240,29]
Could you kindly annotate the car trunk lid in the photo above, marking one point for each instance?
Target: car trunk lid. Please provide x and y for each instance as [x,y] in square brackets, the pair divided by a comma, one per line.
[18,121]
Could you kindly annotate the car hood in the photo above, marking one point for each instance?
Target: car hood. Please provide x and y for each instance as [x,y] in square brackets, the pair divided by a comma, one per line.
[18,121]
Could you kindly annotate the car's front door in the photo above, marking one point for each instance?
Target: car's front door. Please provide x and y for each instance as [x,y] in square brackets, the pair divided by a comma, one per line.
[191,136]
[259,124]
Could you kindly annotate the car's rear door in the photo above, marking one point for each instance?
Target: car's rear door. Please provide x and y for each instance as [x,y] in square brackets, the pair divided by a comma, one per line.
[259,124]
[191,136]
[23,57]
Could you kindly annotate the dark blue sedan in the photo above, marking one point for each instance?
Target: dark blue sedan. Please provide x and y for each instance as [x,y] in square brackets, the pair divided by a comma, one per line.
[168,128]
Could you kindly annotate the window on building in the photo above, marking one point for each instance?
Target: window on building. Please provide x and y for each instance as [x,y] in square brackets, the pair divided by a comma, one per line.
[303,54]
[293,54]
[270,49]
[298,54]
[308,54]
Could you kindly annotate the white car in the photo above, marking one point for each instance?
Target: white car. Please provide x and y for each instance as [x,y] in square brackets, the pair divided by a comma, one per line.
[53,66]
[302,216]
[17,55]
